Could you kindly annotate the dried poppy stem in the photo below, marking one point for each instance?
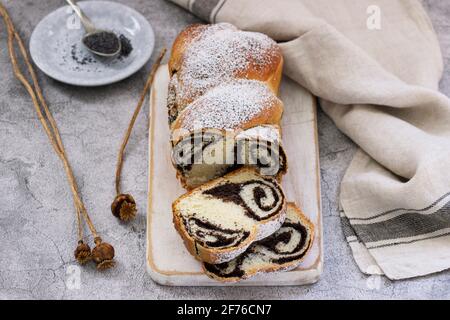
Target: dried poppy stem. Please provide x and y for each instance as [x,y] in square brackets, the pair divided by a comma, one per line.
[124,205]
[48,123]
[83,252]
[79,223]
[133,118]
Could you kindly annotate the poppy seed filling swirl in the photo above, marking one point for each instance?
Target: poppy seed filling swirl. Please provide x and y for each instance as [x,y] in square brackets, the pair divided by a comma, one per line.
[260,200]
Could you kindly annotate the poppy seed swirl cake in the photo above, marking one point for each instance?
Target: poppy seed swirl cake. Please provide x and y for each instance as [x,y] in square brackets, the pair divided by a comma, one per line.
[282,251]
[221,218]
[225,136]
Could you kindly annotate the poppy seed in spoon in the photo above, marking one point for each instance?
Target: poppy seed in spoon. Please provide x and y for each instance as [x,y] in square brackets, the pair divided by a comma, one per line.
[102,42]
[126,46]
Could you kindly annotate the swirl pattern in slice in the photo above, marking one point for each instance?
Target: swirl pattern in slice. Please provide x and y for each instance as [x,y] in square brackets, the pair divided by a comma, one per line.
[281,251]
[204,155]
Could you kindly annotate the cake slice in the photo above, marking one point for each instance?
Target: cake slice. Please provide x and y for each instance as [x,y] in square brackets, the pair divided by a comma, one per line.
[282,251]
[210,153]
[220,219]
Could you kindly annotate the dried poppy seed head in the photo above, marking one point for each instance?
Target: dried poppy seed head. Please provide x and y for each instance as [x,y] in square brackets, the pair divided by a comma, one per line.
[124,207]
[82,252]
[103,254]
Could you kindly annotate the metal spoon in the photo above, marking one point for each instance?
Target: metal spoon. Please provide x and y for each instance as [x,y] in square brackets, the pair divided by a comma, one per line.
[91,30]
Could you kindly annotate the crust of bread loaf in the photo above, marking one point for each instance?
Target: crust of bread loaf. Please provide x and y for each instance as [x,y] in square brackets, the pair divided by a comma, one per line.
[271,73]
[261,230]
[271,112]
[182,41]
[274,80]
[273,267]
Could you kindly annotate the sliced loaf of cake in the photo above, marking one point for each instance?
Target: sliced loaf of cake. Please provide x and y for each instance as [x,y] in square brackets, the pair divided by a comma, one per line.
[220,219]
[281,251]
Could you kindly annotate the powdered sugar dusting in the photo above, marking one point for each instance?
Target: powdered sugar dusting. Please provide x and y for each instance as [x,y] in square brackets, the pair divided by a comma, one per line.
[228,106]
[266,132]
[221,53]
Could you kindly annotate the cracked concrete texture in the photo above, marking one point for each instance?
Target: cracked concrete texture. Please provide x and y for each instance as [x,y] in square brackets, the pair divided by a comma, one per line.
[37,221]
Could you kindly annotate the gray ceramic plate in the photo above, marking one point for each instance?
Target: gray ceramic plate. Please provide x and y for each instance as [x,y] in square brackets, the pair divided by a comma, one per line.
[56,47]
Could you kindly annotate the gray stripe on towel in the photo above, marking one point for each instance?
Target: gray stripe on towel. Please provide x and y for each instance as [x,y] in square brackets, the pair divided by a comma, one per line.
[399,242]
[403,226]
[347,229]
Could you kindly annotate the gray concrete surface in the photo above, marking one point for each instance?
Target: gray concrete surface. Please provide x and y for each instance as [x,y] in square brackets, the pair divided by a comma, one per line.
[37,225]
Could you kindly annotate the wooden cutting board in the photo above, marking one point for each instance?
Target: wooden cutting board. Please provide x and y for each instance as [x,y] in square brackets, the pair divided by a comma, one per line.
[168,262]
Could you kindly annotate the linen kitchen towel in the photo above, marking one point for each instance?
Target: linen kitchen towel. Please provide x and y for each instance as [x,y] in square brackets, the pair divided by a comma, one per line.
[375,66]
